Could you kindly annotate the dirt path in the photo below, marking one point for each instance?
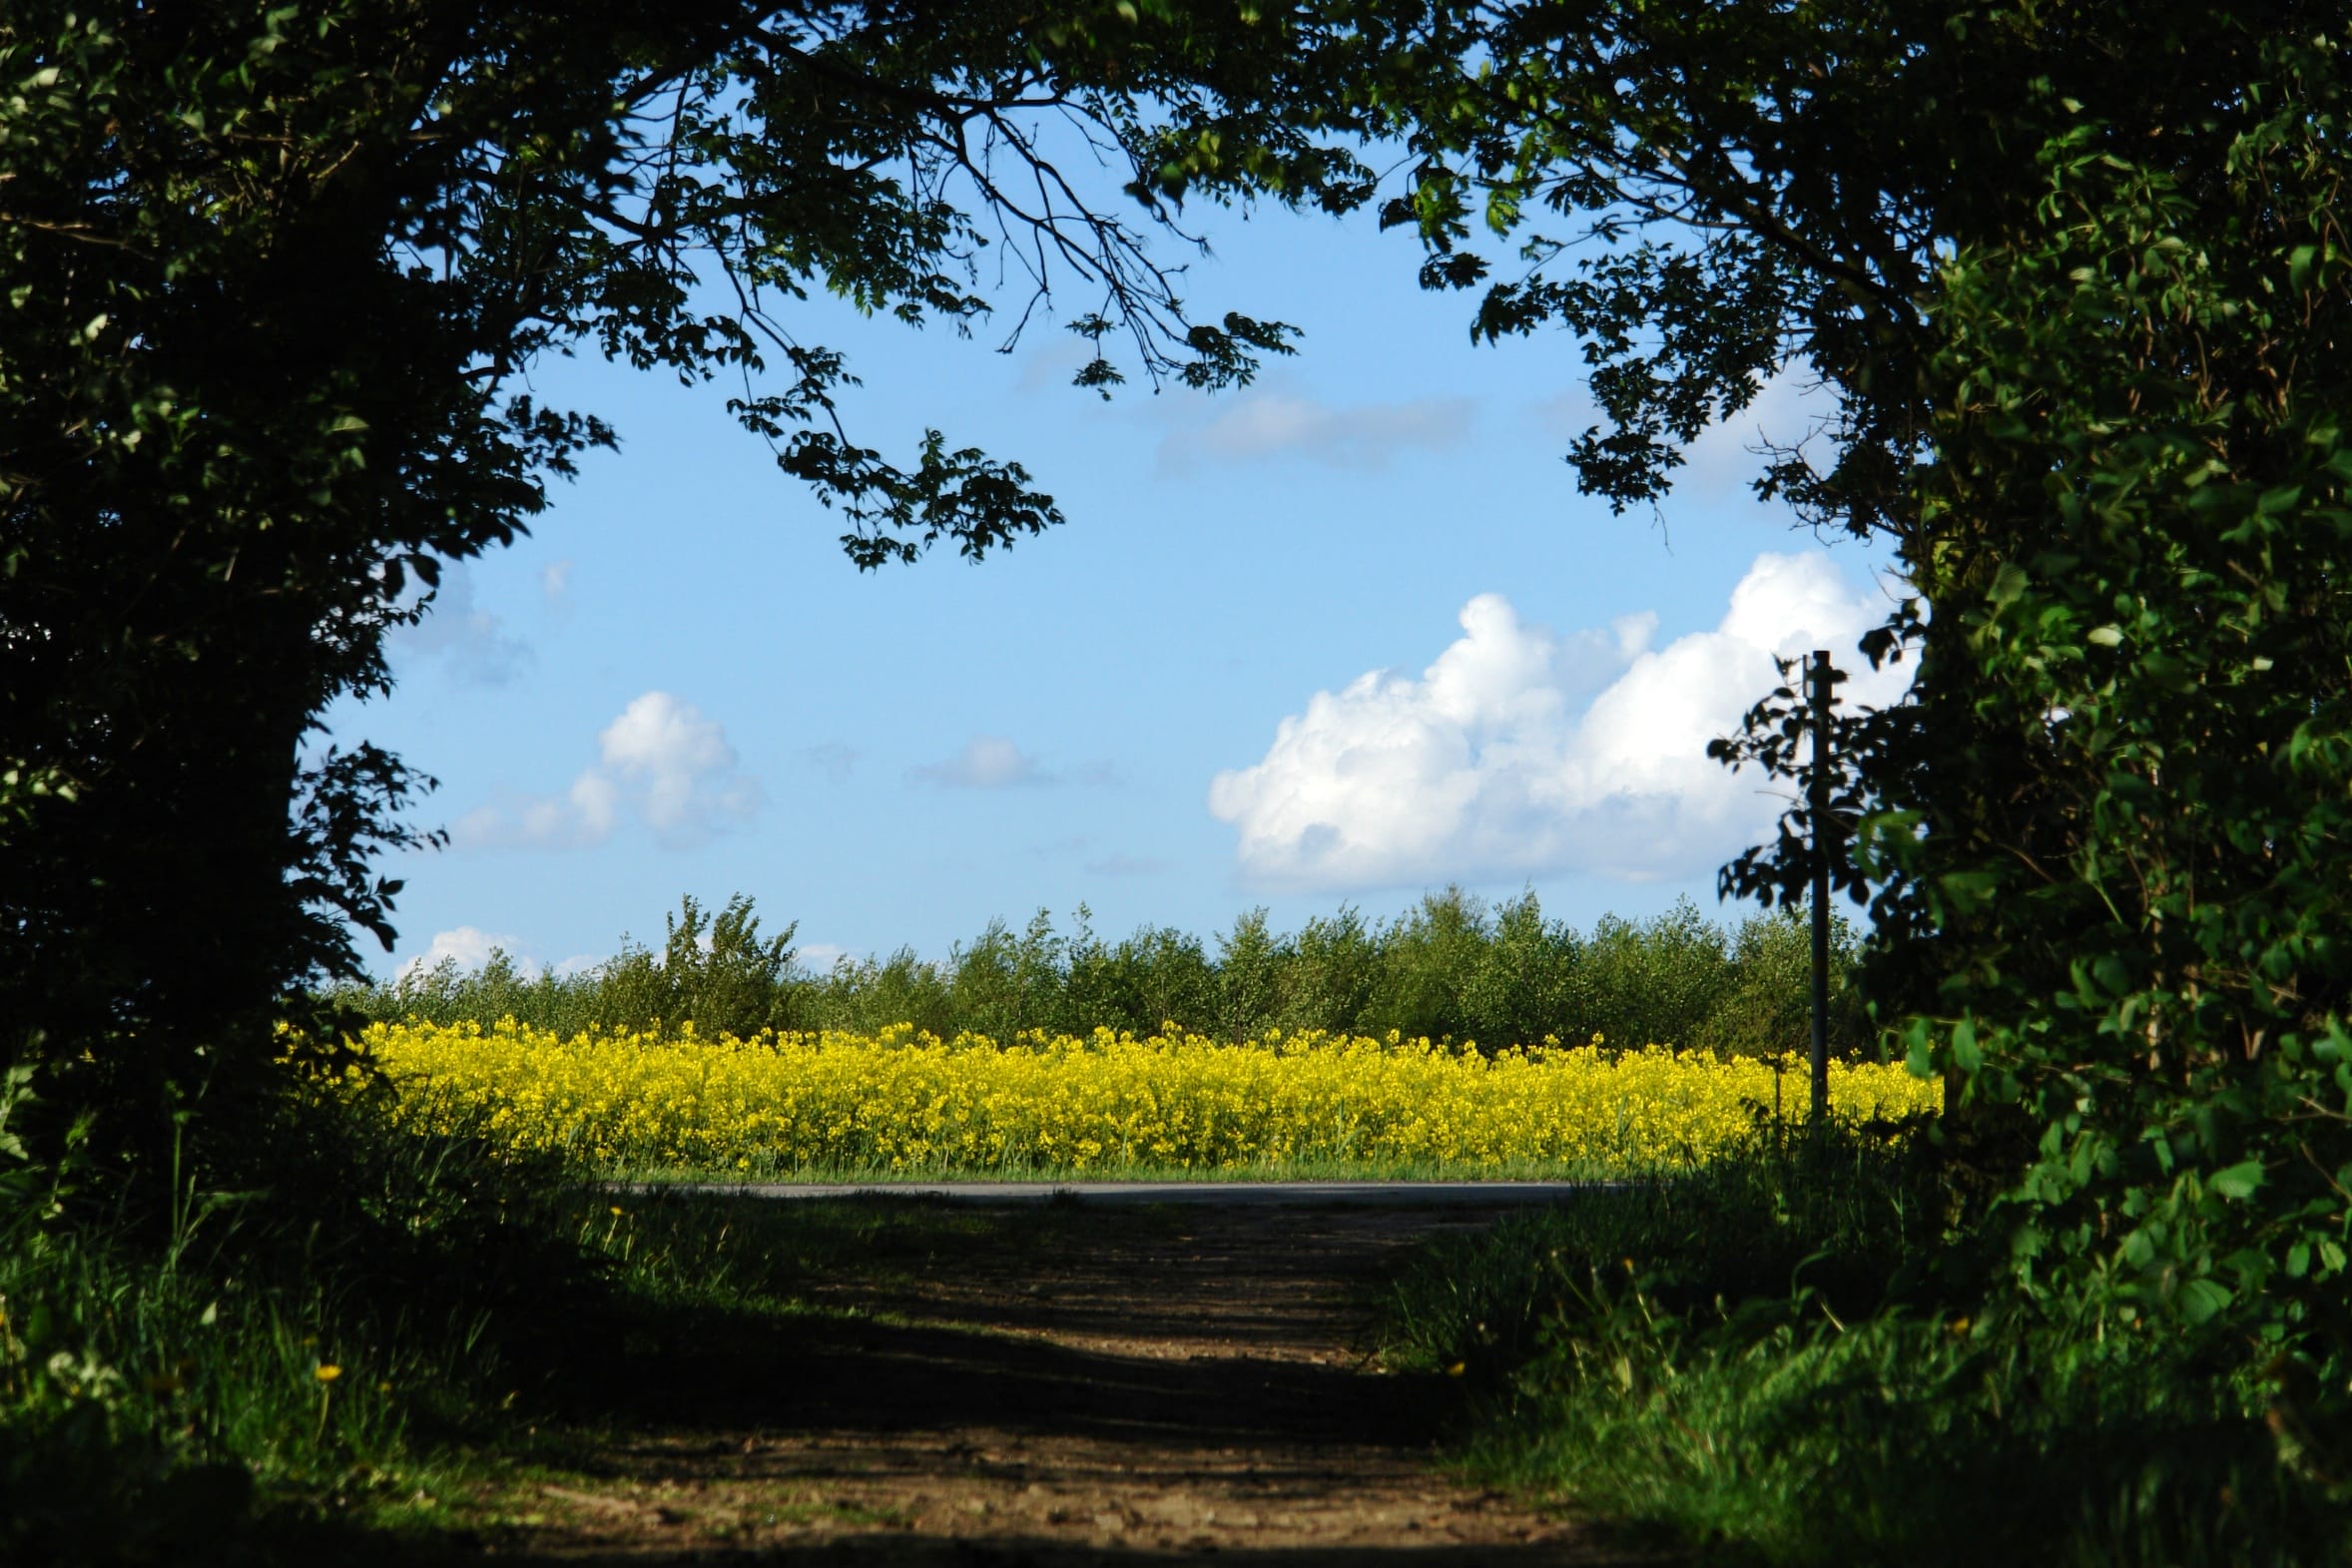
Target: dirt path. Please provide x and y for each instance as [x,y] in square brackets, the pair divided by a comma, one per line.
[1148,1388]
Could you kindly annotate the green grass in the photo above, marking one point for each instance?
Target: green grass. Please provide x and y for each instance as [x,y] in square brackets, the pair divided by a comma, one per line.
[482,1321]
[1776,1361]
[170,1371]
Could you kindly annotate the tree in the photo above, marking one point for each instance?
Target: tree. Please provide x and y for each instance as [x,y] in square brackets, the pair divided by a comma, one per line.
[2072,278]
[715,972]
[274,275]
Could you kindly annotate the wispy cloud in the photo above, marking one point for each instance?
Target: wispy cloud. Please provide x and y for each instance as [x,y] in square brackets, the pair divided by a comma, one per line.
[1051,366]
[1729,455]
[832,758]
[470,947]
[988,761]
[661,762]
[471,643]
[1126,865]
[1275,425]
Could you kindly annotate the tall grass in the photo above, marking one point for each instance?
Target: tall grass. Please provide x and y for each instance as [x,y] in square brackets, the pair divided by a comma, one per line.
[292,1326]
[1783,1358]
[1451,968]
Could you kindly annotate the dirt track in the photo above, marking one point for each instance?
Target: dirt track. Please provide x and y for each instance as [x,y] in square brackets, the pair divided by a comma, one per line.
[1150,1388]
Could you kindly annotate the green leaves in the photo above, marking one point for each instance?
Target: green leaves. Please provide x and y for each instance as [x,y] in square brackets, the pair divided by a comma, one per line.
[2237,1181]
[2200,1301]
[2074,286]
[1966,1055]
[274,272]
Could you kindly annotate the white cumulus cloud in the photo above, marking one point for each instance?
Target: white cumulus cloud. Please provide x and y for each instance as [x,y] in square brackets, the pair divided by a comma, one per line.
[661,762]
[1519,752]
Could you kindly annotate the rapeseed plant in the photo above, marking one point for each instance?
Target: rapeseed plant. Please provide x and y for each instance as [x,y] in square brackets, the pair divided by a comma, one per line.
[900,1100]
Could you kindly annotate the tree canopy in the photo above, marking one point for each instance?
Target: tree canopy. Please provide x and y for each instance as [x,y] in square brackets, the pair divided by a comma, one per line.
[274,277]
[2071,276]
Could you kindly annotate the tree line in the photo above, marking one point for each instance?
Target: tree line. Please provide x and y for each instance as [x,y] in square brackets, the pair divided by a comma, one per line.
[1451,968]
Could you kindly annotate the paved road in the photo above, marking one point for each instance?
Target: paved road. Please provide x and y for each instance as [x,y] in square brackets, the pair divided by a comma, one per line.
[1416,1195]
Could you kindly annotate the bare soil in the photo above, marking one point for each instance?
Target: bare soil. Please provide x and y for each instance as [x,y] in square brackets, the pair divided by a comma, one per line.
[1132,1388]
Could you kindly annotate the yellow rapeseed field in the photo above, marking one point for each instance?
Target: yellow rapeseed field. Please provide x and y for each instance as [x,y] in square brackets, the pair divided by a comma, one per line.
[908,1103]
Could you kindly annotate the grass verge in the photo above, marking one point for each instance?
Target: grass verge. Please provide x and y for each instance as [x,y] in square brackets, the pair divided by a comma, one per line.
[340,1340]
[1775,1359]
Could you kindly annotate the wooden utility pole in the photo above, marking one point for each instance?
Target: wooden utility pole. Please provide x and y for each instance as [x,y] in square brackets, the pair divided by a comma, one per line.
[1816,808]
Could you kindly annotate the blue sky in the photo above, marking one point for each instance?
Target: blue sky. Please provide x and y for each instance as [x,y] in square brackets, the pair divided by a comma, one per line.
[1337,638]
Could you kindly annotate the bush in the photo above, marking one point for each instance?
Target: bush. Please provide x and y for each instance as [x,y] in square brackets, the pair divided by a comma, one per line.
[1650,981]
[718,972]
[1523,987]
[447,993]
[1766,1008]
[1760,1358]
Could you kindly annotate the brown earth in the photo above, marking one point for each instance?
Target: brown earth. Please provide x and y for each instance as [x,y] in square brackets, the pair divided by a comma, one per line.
[1133,1388]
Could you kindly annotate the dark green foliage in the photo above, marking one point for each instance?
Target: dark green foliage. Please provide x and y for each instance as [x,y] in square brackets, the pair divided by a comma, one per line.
[1523,985]
[1757,1357]
[1332,977]
[2106,839]
[1158,973]
[1002,982]
[498,988]
[1429,960]
[1450,968]
[716,971]
[156,1378]
[1766,1005]
[1249,977]
[2074,280]
[273,280]
[2132,752]
[1660,980]
[867,994]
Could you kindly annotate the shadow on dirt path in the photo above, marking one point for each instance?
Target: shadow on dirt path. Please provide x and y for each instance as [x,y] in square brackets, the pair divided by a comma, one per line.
[1139,1388]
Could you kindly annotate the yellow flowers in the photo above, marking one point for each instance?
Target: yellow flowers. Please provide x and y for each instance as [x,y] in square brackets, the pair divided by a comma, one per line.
[898,1102]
